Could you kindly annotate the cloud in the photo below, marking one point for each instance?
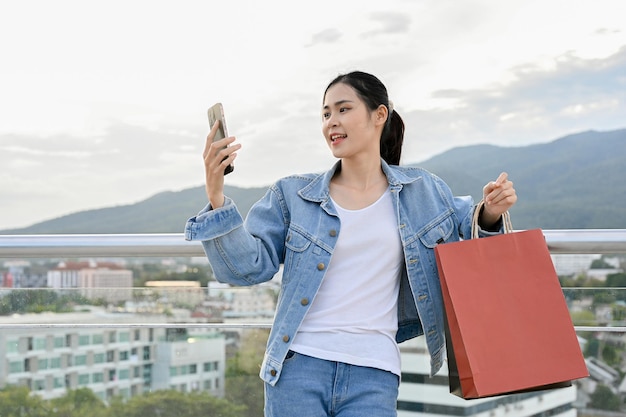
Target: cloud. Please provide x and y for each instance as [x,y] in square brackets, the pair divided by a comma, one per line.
[389,23]
[574,95]
[330,35]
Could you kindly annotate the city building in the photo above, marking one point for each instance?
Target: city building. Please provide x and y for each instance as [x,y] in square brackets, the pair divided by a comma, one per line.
[94,280]
[68,353]
[425,396]
[21,274]
[187,293]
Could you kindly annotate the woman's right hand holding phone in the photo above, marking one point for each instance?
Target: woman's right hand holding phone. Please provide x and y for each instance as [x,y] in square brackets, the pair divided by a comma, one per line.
[217,156]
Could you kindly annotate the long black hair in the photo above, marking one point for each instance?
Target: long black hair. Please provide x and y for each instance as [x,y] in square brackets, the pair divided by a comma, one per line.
[374,93]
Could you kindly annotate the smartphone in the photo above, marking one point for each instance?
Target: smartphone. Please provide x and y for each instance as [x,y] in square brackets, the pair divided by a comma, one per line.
[216,112]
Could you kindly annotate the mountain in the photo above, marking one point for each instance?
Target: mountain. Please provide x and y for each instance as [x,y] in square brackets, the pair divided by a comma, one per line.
[575,182]
[165,212]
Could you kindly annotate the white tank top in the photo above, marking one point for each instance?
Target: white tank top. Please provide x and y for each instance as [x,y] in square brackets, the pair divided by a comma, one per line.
[354,316]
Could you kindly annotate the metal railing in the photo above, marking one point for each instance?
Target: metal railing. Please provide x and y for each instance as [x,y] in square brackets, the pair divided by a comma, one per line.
[594,241]
[580,241]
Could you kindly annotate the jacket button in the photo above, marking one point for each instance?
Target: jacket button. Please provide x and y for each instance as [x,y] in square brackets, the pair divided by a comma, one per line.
[304,301]
[320,266]
[273,372]
[285,338]
[332,233]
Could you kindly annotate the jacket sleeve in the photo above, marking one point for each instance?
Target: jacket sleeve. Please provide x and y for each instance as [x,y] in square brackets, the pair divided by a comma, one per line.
[465,208]
[242,253]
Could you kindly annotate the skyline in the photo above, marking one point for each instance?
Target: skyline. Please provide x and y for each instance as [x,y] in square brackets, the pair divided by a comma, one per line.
[106,105]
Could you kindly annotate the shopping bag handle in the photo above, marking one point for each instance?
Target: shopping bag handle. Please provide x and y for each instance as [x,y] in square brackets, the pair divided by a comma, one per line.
[506,220]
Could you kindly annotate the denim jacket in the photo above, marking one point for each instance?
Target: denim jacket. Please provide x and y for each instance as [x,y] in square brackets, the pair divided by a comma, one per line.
[295,224]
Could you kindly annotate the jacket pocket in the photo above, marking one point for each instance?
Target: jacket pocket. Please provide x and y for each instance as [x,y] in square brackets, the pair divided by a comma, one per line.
[296,241]
[296,246]
[438,230]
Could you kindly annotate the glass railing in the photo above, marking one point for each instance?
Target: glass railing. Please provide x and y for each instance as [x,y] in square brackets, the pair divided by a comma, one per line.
[131,324]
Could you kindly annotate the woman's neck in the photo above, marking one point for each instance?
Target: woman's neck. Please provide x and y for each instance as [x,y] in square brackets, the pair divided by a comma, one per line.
[357,185]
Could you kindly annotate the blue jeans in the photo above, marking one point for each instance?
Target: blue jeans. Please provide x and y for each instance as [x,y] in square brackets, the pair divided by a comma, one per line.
[311,387]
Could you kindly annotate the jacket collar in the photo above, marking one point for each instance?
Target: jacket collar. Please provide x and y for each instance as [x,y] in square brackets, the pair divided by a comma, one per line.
[318,189]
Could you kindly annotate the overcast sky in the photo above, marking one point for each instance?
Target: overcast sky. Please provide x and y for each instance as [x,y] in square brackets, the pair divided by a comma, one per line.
[104,103]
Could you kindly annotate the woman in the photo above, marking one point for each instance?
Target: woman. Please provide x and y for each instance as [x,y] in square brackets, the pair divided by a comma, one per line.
[357,247]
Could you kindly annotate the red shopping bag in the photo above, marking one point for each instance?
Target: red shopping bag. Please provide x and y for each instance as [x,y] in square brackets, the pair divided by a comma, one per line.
[509,328]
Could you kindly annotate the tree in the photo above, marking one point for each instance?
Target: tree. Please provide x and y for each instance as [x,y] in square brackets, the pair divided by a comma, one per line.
[17,402]
[243,385]
[616,280]
[600,264]
[584,318]
[81,402]
[168,403]
[604,399]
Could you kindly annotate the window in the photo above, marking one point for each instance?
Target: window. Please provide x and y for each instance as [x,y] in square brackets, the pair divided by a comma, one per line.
[59,342]
[112,337]
[12,346]
[193,369]
[137,335]
[124,337]
[146,352]
[58,382]
[39,385]
[124,355]
[16,367]
[42,364]
[40,343]
[110,355]
[98,358]
[207,366]
[55,363]
[97,377]
[124,374]
[97,339]
[80,360]
[83,379]
[173,371]
[84,340]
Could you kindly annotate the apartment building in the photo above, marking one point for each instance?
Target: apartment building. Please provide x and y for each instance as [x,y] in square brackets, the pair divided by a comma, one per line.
[104,280]
[77,350]
[425,396]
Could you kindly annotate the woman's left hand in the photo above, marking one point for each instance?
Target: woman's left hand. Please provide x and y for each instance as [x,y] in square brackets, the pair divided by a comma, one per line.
[499,196]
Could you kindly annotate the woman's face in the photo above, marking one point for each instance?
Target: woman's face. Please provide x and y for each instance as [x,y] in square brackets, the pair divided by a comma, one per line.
[349,127]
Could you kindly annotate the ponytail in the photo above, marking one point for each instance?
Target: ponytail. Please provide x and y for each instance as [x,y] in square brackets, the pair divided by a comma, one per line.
[392,139]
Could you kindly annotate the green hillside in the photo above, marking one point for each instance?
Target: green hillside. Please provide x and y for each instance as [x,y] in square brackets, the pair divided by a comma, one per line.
[576,182]
[165,212]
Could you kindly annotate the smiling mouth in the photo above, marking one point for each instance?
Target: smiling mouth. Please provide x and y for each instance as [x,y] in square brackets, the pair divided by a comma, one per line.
[336,137]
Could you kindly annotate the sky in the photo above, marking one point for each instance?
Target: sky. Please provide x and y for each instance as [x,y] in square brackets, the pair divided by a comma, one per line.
[104,103]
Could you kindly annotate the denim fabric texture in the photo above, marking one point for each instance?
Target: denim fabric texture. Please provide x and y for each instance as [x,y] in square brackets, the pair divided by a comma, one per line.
[311,387]
[295,224]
